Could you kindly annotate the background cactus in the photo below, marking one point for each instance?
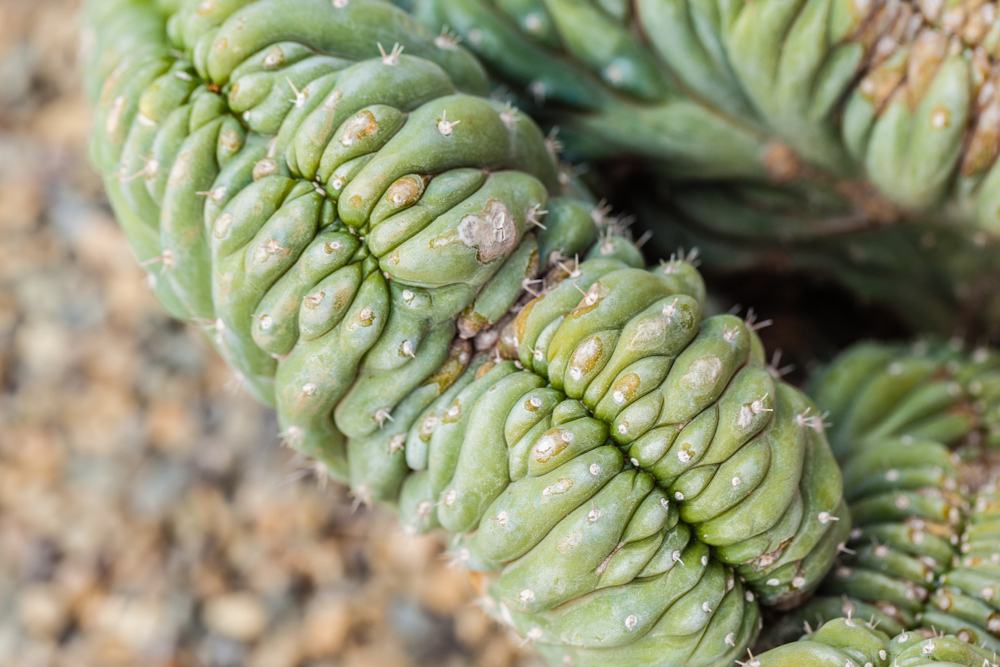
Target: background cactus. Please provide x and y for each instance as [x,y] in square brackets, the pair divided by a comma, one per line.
[822,127]
[921,554]
[850,643]
[360,240]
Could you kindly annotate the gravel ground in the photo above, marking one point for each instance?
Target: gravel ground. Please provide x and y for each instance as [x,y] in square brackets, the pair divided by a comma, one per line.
[147,515]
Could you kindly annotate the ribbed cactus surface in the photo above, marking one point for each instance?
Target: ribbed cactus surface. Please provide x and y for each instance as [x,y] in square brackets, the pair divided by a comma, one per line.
[445,321]
[903,93]
[914,430]
[819,126]
[847,642]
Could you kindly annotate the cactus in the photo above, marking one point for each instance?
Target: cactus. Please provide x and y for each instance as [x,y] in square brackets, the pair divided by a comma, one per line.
[904,94]
[844,642]
[920,556]
[359,235]
[802,133]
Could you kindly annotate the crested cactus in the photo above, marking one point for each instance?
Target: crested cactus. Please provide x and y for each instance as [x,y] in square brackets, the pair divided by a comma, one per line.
[845,642]
[922,553]
[856,136]
[445,321]
[902,93]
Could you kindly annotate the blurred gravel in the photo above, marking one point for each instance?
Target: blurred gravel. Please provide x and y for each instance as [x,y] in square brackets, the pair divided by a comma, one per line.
[147,515]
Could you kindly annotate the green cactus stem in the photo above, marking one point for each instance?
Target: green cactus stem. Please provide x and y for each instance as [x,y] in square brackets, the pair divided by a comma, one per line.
[445,321]
[786,134]
[915,434]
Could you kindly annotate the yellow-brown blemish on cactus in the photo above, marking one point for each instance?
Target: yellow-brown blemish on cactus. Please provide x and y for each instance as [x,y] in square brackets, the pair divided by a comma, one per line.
[569,542]
[266,167]
[222,225]
[453,367]
[331,102]
[766,560]
[984,144]
[221,44]
[275,57]
[453,413]
[313,300]
[558,487]
[366,317]
[230,140]
[113,121]
[591,299]
[405,191]
[585,357]
[625,388]
[360,125]
[427,426]
[929,50]
[342,298]
[881,82]
[112,82]
[470,322]
[521,323]
[940,117]
[551,444]
[493,232]
[181,171]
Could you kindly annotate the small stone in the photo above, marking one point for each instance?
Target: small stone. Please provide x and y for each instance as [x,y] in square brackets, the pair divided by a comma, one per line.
[239,616]
[41,610]
[326,627]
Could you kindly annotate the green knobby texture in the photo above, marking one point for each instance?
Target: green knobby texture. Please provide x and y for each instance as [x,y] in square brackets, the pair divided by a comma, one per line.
[445,322]
[965,602]
[782,90]
[914,433]
[847,643]
[805,132]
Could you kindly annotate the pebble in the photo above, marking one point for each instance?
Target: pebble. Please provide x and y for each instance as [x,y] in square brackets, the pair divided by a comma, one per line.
[41,610]
[239,616]
[326,627]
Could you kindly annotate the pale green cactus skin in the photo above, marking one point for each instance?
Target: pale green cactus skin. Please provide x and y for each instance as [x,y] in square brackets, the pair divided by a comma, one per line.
[844,138]
[922,552]
[900,93]
[849,643]
[444,321]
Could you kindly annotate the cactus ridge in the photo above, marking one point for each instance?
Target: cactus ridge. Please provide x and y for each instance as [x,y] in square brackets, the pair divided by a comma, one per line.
[922,554]
[443,319]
